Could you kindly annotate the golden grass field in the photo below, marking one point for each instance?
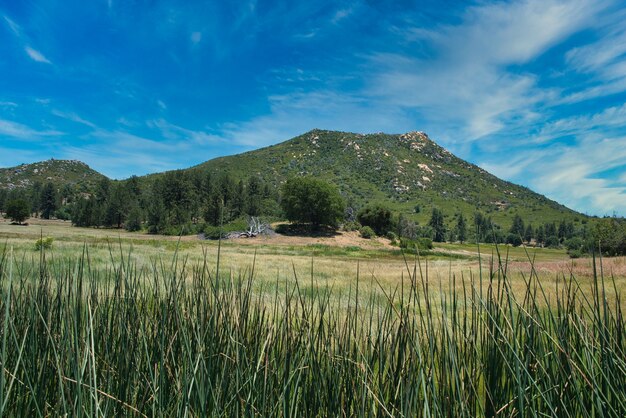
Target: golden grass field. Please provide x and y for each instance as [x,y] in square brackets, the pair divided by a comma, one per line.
[327,261]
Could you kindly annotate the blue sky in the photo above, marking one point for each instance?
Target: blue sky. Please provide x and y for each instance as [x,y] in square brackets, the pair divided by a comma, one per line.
[533,91]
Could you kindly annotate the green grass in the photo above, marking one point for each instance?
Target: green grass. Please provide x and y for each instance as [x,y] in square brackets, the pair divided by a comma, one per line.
[176,338]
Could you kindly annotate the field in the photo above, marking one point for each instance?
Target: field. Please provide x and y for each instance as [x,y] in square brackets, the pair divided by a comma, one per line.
[107,322]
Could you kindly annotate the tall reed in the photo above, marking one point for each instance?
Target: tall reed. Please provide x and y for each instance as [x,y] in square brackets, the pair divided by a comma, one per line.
[184,340]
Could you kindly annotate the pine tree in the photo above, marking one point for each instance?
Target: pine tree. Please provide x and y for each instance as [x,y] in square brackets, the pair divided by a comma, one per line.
[48,201]
[518,226]
[437,224]
[528,233]
[461,228]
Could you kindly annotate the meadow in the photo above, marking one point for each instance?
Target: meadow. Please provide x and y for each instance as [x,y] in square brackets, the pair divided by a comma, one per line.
[110,323]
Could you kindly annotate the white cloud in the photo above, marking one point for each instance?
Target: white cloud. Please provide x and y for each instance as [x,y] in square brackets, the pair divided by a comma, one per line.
[72,117]
[15,28]
[183,135]
[36,55]
[17,130]
[467,83]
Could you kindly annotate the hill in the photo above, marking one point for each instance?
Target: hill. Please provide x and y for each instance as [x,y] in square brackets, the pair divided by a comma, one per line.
[402,171]
[59,172]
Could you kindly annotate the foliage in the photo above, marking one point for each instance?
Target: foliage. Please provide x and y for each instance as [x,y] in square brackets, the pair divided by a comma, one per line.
[461,228]
[48,201]
[422,244]
[312,201]
[134,219]
[378,217]
[552,242]
[197,341]
[609,236]
[438,225]
[217,232]
[44,243]
[367,232]
[513,239]
[17,210]
[352,226]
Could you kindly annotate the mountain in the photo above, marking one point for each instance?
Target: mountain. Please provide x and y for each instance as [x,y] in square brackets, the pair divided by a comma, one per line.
[59,172]
[402,171]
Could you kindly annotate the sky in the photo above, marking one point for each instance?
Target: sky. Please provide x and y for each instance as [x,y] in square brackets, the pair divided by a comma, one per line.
[533,91]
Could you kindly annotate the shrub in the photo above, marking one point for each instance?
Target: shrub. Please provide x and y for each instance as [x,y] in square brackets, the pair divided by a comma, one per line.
[376,217]
[44,243]
[213,232]
[514,240]
[367,232]
[392,236]
[18,210]
[575,253]
[553,242]
[352,226]
[422,244]
[312,201]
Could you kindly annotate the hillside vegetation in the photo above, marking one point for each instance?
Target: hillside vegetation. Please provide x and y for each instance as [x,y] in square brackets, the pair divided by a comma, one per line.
[402,171]
[61,173]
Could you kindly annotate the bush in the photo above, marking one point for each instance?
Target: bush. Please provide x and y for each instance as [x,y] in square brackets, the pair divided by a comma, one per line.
[575,253]
[552,242]
[213,232]
[367,232]
[352,226]
[392,236]
[514,240]
[63,214]
[312,201]
[18,210]
[575,243]
[422,244]
[376,217]
[44,243]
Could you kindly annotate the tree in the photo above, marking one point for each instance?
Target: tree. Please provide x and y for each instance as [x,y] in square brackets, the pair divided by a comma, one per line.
[461,228]
[437,224]
[518,226]
[48,202]
[133,222]
[18,210]
[541,235]
[514,239]
[528,233]
[313,201]
[376,217]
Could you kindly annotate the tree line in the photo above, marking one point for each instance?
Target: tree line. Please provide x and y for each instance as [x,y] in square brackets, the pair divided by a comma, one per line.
[193,201]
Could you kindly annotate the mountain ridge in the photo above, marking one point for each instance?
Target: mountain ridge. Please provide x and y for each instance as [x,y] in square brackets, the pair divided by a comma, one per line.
[409,172]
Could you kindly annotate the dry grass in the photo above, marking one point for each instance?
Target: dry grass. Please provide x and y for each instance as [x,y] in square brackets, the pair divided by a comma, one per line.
[332,262]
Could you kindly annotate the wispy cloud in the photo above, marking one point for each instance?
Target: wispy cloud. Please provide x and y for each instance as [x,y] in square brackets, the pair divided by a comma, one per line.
[72,117]
[36,55]
[19,131]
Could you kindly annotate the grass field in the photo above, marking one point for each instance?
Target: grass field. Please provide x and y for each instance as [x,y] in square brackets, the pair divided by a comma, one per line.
[329,261]
[109,323]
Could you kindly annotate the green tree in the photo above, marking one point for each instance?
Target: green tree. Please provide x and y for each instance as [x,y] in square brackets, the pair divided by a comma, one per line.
[134,219]
[518,226]
[48,202]
[377,217]
[528,233]
[313,201]
[254,196]
[461,228]
[18,210]
[438,225]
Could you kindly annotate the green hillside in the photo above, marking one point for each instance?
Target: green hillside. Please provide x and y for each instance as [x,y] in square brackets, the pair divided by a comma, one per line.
[60,172]
[403,171]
